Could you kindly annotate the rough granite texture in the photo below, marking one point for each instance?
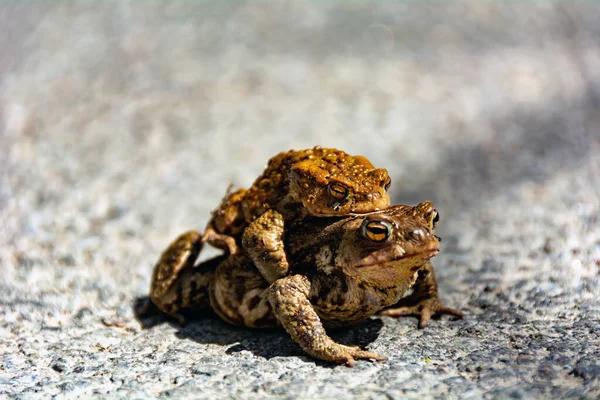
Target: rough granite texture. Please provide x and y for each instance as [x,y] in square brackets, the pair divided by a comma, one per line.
[123,123]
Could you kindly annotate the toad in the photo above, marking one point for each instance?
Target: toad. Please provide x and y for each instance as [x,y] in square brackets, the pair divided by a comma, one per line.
[320,182]
[342,271]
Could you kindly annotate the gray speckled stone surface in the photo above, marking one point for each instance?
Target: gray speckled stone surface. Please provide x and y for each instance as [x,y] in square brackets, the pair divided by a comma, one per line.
[122,125]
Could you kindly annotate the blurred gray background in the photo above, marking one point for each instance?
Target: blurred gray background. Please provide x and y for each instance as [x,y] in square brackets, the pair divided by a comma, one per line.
[123,123]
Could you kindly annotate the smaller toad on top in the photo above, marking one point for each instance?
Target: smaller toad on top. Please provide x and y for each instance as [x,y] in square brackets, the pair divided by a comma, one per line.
[321,182]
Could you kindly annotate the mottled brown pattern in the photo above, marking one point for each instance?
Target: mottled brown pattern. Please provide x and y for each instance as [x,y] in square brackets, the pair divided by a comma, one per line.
[341,272]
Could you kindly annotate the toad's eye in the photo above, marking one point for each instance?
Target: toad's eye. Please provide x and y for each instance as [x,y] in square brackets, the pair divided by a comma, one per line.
[337,191]
[376,231]
[388,183]
[435,218]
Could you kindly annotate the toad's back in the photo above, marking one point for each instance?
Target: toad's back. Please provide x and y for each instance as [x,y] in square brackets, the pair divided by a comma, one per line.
[295,184]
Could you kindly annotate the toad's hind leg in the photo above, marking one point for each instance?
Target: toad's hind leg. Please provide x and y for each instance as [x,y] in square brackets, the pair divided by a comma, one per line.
[239,294]
[263,241]
[424,302]
[178,287]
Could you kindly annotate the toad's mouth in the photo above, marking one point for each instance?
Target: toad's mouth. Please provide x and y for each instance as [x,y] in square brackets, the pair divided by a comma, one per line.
[355,211]
[346,213]
[398,259]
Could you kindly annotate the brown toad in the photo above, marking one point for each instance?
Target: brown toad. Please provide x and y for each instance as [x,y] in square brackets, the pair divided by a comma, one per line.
[295,184]
[342,271]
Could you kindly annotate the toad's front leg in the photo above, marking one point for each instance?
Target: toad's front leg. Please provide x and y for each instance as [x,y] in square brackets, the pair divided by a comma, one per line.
[424,302]
[263,242]
[289,298]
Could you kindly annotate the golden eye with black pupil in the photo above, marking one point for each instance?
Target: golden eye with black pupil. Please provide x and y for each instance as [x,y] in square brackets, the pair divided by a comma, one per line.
[337,191]
[436,218]
[377,231]
[387,184]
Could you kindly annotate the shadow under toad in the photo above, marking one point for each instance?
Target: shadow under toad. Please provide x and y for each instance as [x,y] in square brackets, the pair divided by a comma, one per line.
[207,328]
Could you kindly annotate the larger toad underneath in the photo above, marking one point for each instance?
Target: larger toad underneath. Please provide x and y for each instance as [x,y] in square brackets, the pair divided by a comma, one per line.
[342,271]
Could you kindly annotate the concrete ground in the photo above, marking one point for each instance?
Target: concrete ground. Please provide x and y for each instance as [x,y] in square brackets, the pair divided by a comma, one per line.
[123,123]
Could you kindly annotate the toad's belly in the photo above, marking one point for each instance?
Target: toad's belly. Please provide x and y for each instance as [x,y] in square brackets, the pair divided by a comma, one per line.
[351,303]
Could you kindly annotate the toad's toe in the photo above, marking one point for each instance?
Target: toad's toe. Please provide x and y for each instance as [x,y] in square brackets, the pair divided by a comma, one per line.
[350,354]
[425,310]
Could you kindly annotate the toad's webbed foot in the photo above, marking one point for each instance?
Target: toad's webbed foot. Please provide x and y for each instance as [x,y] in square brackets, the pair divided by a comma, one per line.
[347,355]
[263,242]
[289,299]
[424,302]
[425,309]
